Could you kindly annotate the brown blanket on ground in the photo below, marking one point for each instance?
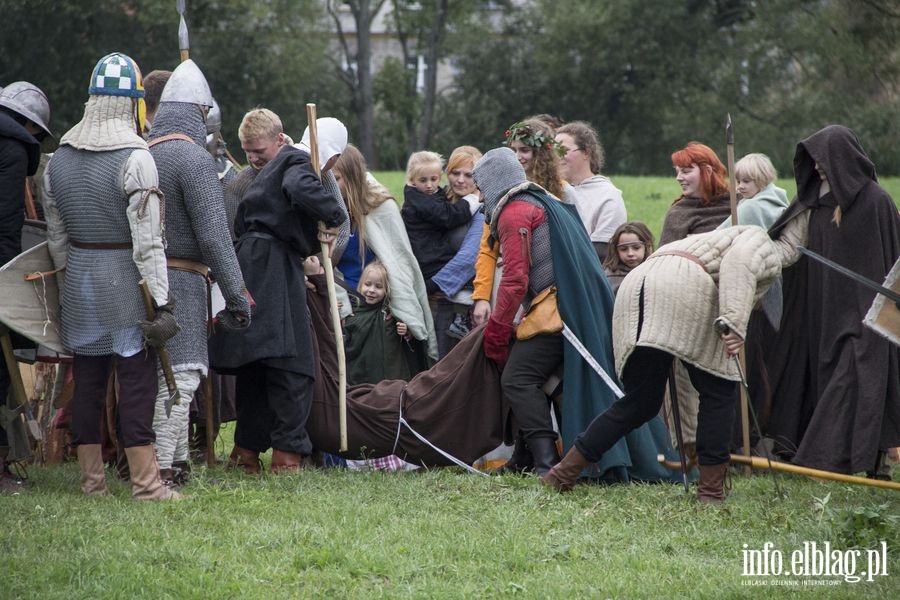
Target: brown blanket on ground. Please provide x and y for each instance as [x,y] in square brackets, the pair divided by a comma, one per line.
[457,405]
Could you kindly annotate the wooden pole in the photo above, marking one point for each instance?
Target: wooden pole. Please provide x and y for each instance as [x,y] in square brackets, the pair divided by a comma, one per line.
[732,192]
[758,462]
[332,293]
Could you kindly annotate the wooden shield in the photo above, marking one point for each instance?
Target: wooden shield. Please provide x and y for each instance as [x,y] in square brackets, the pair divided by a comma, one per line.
[32,307]
[884,316]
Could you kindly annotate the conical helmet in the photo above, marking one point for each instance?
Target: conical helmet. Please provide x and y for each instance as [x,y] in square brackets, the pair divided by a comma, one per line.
[187,84]
[29,101]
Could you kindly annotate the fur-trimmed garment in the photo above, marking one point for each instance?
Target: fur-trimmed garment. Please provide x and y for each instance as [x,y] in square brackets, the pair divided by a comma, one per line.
[836,383]
[689,216]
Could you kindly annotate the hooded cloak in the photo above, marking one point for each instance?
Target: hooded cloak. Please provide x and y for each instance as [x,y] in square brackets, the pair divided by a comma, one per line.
[836,384]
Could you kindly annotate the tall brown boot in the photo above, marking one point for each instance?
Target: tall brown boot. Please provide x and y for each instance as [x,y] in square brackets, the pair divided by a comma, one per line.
[286,462]
[711,489]
[93,478]
[245,460]
[145,481]
[563,476]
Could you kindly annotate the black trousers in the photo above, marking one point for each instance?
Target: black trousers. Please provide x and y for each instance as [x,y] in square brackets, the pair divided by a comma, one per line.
[530,363]
[273,406]
[137,397]
[644,377]
[442,313]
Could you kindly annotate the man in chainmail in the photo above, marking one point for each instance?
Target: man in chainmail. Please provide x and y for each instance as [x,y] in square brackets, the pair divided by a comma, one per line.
[284,214]
[198,243]
[518,222]
[104,225]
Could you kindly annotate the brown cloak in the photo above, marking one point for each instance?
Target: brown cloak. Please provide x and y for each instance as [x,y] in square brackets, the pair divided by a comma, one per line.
[457,405]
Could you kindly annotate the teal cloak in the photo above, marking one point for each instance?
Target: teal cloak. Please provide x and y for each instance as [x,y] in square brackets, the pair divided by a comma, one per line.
[586,305]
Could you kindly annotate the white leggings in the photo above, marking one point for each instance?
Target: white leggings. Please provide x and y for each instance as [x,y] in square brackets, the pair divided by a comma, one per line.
[172,431]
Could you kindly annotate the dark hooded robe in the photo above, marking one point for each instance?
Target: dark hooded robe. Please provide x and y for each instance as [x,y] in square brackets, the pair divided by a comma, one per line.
[836,383]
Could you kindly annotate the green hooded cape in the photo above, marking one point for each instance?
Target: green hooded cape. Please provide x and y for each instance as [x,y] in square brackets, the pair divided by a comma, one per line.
[586,306]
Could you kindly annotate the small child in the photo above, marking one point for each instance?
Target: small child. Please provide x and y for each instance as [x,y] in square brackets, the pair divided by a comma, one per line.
[762,202]
[429,216]
[630,245]
[378,347]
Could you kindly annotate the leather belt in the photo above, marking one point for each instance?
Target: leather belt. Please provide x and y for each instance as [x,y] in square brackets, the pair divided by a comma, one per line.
[198,268]
[100,245]
[682,254]
[184,264]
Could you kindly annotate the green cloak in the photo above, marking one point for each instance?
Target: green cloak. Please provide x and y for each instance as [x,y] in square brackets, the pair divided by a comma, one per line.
[374,350]
[586,305]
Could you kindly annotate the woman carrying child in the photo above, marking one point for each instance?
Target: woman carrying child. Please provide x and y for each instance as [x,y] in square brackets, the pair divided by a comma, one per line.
[632,243]
[430,216]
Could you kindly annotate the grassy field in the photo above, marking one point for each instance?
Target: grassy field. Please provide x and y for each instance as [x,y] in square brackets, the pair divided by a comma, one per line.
[433,534]
[646,198]
[438,533]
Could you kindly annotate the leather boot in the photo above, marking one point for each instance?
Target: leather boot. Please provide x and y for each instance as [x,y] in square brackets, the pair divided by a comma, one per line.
[93,478]
[565,474]
[711,489]
[545,454]
[145,481]
[245,460]
[286,462]
[521,460]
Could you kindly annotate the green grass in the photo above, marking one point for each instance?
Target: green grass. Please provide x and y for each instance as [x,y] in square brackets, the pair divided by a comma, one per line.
[646,198]
[435,534]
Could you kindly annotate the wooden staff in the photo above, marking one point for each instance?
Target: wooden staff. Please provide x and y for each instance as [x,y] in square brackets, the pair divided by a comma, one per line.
[732,192]
[758,462]
[332,293]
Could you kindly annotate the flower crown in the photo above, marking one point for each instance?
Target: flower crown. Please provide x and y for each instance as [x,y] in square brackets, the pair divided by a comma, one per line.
[536,139]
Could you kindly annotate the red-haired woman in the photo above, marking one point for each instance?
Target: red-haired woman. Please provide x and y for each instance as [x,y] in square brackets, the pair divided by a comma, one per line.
[703,203]
[702,206]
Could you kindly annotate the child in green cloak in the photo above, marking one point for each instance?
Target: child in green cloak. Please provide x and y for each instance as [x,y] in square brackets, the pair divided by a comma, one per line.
[378,346]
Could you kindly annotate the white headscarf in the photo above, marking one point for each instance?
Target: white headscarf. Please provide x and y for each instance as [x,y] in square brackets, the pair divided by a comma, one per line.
[332,138]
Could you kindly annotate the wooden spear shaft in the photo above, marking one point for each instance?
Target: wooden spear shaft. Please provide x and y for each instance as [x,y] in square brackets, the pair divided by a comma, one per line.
[732,192]
[758,462]
[332,293]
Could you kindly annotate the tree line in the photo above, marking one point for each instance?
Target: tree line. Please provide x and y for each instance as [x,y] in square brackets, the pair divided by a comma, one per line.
[650,75]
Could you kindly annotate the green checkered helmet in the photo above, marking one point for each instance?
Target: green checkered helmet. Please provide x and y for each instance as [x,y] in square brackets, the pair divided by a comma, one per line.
[117,75]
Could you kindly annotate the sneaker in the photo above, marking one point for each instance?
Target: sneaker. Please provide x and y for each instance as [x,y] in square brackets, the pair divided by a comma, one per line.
[459,328]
